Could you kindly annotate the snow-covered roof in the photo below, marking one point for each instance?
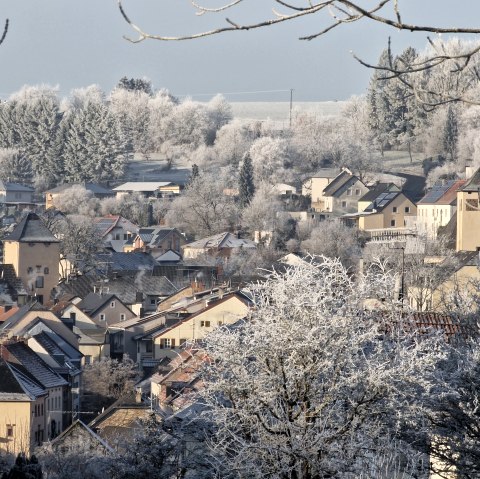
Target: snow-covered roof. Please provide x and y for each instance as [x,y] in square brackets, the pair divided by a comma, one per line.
[222,240]
[140,186]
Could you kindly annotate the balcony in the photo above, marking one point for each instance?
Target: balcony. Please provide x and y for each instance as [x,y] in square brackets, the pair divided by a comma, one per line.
[387,235]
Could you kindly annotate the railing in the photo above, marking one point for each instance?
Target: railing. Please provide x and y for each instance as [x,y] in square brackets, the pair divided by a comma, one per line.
[389,234]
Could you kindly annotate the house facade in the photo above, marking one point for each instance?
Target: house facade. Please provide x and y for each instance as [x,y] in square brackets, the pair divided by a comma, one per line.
[468,214]
[34,253]
[437,207]
[15,194]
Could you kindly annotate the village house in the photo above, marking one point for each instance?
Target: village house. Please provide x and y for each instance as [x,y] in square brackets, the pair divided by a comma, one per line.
[221,245]
[157,241]
[115,231]
[34,253]
[338,195]
[167,340]
[24,359]
[437,207]
[13,194]
[468,214]
[98,191]
[105,309]
[23,410]
[149,189]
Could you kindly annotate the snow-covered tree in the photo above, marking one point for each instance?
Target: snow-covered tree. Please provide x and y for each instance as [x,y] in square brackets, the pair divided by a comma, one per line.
[94,147]
[313,384]
[246,185]
[15,166]
[268,157]
[204,209]
[450,134]
[333,239]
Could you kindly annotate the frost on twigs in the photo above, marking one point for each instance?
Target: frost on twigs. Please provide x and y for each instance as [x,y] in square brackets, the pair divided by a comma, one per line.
[313,384]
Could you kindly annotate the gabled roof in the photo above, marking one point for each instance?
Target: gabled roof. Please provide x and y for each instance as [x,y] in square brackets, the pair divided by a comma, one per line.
[15,385]
[169,256]
[31,229]
[339,182]
[443,194]
[222,240]
[78,424]
[473,183]
[119,261]
[126,288]
[6,186]
[93,302]
[56,347]
[382,201]
[141,186]
[103,225]
[95,188]
[154,236]
[377,190]
[35,365]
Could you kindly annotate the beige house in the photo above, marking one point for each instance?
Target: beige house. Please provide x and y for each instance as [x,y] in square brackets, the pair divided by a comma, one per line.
[339,195]
[34,253]
[468,215]
[105,309]
[22,411]
[166,341]
[391,209]
[437,207]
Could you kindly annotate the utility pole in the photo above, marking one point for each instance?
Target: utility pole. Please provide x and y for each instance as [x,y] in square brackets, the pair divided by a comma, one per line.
[291,106]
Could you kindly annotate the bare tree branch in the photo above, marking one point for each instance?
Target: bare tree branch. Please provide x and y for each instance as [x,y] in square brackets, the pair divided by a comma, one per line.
[5,30]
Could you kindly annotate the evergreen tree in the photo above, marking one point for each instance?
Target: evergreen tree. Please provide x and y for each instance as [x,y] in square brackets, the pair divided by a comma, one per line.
[381,122]
[450,134]
[194,174]
[94,147]
[246,185]
[24,468]
[15,167]
[136,84]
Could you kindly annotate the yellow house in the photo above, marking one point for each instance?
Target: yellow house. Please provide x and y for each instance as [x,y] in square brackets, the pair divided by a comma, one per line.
[391,209]
[468,215]
[34,253]
[22,411]
[166,341]
[366,200]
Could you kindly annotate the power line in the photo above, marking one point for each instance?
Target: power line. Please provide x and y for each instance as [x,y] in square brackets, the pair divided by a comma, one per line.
[235,93]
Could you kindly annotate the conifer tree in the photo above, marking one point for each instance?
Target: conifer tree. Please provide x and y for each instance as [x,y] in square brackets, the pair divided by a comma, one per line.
[450,134]
[246,185]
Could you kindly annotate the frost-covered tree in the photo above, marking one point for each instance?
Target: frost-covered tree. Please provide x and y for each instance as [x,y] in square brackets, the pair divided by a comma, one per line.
[220,114]
[131,109]
[313,384]
[15,166]
[333,239]
[94,149]
[204,209]
[450,134]
[268,157]
[246,185]
[76,200]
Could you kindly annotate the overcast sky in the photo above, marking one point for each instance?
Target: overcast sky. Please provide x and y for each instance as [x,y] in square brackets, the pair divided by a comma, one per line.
[75,43]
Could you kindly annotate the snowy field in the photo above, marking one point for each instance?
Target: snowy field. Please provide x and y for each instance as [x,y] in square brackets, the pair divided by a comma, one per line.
[279,111]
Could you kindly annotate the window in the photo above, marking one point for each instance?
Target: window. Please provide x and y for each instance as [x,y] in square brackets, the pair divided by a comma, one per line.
[182,341]
[167,342]
[117,236]
[407,209]
[9,430]
[73,317]
[219,323]
[39,268]
[392,222]
[39,282]
[29,270]
[394,209]
[46,270]
[344,204]
[349,192]
[471,205]
[112,304]
[149,347]
[205,324]
[88,360]
[122,317]
[102,317]
[153,302]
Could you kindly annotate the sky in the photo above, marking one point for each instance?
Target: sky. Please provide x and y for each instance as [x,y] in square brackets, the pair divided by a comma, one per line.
[76,43]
